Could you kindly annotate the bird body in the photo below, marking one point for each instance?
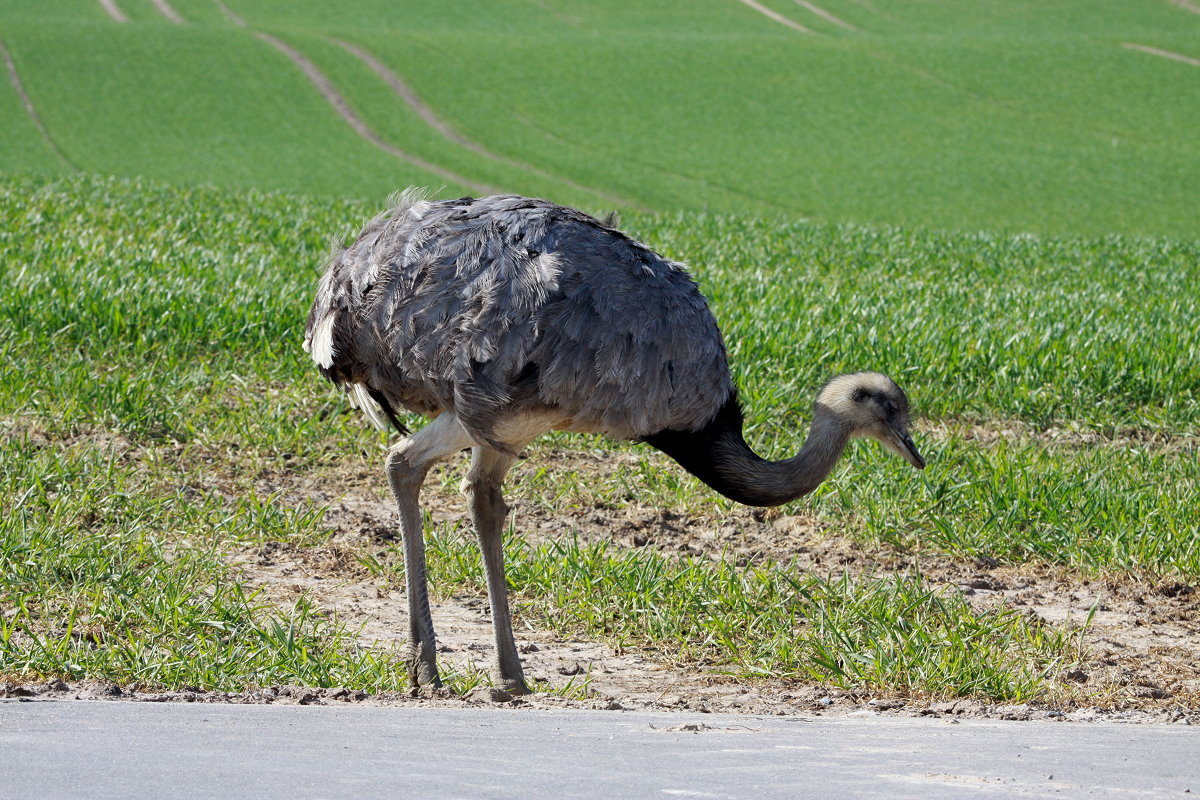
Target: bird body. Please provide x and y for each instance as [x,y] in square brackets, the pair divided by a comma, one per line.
[507,307]
[504,317]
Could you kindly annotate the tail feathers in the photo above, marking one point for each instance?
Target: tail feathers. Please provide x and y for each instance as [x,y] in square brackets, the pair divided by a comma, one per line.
[375,407]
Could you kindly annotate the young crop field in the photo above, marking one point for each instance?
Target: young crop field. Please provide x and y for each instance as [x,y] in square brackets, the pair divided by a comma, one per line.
[1072,117]
[189,510]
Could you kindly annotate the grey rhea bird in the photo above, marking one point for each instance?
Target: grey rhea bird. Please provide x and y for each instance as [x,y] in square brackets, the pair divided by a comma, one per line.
[505,317]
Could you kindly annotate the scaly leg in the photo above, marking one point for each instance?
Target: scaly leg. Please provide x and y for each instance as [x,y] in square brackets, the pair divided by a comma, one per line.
[407,465]
[488,468]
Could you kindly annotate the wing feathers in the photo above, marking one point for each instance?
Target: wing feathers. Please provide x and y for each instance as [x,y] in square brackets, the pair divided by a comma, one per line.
[455,303]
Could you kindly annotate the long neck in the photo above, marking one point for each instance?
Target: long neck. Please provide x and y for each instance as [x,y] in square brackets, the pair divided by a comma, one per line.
[718,455]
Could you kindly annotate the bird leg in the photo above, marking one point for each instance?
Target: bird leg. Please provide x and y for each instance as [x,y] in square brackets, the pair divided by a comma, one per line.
[407,465]
[485,478]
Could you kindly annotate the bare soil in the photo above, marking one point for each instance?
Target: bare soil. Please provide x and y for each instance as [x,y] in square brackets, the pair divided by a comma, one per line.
[1142,648]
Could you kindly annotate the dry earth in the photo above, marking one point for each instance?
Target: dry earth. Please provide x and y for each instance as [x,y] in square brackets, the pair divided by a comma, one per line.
[1142,648]
[1141,659]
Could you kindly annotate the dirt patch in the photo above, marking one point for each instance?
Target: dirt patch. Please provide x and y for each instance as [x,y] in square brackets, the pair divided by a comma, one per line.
[1015,431]
[1142,644]
[1141,657]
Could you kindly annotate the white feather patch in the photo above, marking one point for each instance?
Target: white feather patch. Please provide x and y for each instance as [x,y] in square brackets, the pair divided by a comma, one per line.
[362,400]
[322,341]
[547,268]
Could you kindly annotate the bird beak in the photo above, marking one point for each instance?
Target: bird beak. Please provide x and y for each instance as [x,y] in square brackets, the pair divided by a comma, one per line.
[900,443]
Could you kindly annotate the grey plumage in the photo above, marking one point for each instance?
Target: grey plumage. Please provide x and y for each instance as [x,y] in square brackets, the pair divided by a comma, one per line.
[504,317]
[507,305]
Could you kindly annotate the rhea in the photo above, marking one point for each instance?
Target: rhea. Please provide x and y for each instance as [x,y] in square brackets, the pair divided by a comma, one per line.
[505,317]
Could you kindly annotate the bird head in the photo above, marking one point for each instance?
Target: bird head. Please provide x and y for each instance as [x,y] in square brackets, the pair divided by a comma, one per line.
[872,405]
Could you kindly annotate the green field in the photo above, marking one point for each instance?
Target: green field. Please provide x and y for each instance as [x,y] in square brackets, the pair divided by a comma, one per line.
[1016,116]
[994,204]
[145,408]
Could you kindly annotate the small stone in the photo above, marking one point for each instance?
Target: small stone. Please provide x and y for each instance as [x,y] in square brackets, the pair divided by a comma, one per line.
[884,704]
[491,694]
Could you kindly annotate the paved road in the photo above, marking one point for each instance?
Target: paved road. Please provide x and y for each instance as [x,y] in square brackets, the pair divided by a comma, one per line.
[81,750]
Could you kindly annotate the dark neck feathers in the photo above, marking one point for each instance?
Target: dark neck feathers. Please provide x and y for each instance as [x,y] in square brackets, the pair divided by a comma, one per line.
[718,455]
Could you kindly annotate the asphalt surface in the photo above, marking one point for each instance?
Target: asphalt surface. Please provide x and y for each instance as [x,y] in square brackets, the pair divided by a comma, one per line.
[77,750]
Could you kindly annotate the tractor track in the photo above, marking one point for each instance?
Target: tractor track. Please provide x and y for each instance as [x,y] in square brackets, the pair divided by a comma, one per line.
[825,15]
[1154,51]
[15,79]
[431,118]
[339,103]
[424,111]
[230,15]
[167,11]
[163,6]
[113,10]
[780,18]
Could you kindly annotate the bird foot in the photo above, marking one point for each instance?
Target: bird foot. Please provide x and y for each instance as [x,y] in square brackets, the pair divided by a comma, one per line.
[422,679]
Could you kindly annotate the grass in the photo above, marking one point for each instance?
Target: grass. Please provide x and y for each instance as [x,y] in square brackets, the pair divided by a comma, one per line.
[103,577]
[1123,507]
[927,116]
[895,635]
[150,372]
[195,104]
